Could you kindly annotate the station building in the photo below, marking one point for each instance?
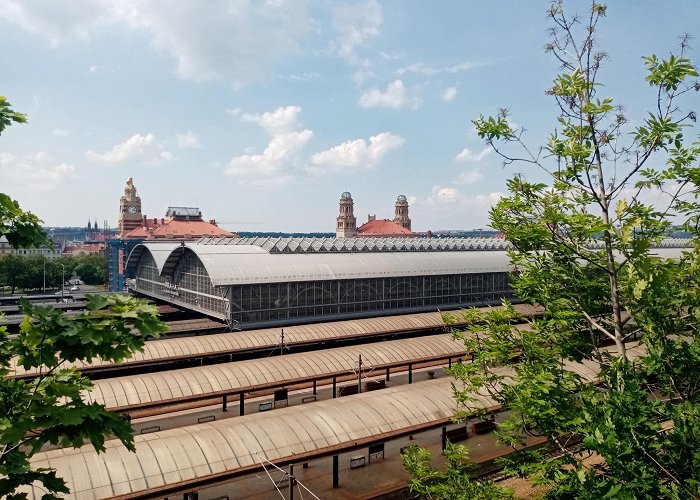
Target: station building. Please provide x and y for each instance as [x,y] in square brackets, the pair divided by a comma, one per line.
[258,282]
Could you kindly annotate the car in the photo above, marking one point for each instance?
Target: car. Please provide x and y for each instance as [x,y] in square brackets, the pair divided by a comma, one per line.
[74,288]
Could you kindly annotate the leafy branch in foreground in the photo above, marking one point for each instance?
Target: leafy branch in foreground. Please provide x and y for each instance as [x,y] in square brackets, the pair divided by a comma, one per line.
[586,247]
[49,408]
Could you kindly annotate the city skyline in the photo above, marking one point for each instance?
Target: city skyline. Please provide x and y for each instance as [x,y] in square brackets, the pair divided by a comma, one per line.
[262,114]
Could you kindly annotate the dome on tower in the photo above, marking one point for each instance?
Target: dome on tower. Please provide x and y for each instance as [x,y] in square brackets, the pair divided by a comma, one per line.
[345,196]
[401,198]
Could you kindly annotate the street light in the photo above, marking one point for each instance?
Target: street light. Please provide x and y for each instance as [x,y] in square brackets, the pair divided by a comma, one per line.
[63,279]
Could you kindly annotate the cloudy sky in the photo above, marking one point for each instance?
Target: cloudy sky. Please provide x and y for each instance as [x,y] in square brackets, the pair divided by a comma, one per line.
[262,113]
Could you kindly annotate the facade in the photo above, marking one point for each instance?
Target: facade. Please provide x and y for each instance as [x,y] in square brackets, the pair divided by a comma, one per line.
[346,223]
[129,210]
[401,212]
[346,226]
[179,224]
[48,253]
[251,283]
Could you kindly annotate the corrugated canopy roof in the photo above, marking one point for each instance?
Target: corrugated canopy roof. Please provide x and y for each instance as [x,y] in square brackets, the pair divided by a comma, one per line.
[205,450]
[192,383]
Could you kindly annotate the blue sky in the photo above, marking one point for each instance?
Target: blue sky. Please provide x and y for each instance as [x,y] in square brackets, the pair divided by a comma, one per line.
[263,113]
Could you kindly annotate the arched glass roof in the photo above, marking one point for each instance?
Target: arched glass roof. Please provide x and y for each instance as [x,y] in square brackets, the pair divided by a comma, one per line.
[234,264]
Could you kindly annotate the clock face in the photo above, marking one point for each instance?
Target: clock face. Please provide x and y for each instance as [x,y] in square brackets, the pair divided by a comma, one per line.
[132,210]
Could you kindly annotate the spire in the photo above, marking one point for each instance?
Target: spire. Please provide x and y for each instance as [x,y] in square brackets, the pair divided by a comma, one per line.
[346,226]
[401,212]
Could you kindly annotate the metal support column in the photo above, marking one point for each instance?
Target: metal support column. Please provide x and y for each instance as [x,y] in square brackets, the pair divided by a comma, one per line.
[224,403]
[314,388]
[334,387]
[388,374]
[336,475]
[241,403]
[410,373]
[444,439]
[291,481]
[449,363]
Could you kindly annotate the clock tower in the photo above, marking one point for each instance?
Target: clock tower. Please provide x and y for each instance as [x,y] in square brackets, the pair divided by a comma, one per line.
[129,209]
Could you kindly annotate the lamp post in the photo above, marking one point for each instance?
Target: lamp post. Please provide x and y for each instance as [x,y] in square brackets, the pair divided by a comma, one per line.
[43,290]
[63,279]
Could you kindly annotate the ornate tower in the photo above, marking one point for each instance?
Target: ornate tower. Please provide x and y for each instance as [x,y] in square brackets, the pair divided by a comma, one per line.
[401,212]
[347,223]
[129,209]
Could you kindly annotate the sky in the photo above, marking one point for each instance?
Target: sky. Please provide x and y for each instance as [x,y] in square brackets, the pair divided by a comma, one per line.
[261,113]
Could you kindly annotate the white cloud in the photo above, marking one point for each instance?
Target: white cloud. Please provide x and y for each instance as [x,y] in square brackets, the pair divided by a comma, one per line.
[395,96]
[470,177]
[450,197]
[306,76]
[58,132]
[270,168]
[424,69]
[34,173]
[144,149]
[279,153]
[188,140]
[448,94]
[356,154]
[281,120]
[233,111]
[355,25]
[443,196]
[235,41]
[467,155]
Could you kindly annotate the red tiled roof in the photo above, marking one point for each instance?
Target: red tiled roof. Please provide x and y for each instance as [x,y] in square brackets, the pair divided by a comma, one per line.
[383,227]
[77,249]
[177,230]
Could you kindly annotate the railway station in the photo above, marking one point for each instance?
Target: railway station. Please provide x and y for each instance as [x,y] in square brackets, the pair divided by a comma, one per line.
[320,354]
[186,460]
[257,282]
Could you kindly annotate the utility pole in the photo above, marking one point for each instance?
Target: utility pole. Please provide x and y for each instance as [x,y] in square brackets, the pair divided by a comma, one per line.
[291,481]
[359,374]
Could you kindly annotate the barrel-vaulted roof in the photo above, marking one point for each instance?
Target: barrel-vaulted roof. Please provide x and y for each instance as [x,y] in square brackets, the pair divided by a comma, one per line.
[246,264]
[211,450]
[166,387]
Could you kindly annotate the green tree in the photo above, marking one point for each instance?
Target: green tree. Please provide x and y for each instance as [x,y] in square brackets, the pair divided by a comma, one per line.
[584,248]
[91,273]
[49,408]
[12,271]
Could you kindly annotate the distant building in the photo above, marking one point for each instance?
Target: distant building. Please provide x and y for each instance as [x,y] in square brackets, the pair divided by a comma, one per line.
[83,248]
[346,226]
[179,224]
[50,253]
[346,222]
[129,210]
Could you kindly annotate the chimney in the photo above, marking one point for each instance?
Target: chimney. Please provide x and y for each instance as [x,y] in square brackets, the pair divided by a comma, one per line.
[144,221]
[213,222]
[162,221]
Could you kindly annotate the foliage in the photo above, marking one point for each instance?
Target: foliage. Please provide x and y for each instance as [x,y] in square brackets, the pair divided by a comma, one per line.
[22,229]
[49,408]
[8,115]
[454,482]
[32,272]
[584,248]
